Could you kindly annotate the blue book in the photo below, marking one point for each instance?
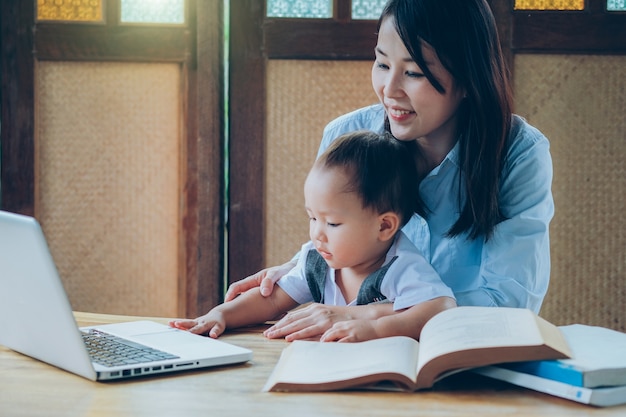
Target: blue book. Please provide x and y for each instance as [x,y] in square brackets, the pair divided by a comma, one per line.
[598,359]
[599,397]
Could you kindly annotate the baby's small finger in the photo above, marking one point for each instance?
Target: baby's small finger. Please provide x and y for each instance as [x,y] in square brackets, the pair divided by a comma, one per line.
[216,331]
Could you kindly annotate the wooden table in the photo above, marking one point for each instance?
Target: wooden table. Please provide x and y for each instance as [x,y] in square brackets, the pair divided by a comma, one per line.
[31,388]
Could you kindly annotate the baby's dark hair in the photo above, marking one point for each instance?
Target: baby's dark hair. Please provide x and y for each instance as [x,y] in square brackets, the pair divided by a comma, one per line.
[382,169]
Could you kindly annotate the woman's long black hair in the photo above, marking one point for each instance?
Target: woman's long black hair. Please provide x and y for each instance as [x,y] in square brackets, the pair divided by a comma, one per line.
[464,36]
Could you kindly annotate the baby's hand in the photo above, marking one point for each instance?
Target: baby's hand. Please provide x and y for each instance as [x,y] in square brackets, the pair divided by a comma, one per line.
[351,331]
[212,323]
[182,324]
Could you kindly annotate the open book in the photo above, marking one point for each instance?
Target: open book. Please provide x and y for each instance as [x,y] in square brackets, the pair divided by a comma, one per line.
[453,340]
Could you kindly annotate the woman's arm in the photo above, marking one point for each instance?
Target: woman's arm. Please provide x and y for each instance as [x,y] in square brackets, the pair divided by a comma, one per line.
[515,262]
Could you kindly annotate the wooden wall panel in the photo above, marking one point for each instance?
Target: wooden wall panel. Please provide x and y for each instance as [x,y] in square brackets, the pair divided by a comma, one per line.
[108,175]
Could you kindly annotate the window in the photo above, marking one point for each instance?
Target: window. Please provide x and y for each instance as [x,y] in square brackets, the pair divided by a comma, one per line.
[94,11]
[549,5]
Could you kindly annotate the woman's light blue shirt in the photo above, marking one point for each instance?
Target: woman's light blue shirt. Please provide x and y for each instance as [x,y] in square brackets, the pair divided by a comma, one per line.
[513,267]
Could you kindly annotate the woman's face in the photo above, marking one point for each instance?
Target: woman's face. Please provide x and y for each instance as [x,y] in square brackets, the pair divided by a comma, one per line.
[416,110]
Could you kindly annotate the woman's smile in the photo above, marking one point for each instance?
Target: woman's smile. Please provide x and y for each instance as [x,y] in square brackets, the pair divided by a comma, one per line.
[399,115]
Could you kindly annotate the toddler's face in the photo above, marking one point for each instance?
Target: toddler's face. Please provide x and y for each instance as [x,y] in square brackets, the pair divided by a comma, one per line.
[343,232]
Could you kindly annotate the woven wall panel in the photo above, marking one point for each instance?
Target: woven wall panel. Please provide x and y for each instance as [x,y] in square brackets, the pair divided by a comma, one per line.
[302,97]
[579,102]
[107,189]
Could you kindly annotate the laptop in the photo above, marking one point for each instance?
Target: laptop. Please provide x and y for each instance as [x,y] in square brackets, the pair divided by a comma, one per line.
[36,320]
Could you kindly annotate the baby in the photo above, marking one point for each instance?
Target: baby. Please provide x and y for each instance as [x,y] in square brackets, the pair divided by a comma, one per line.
[358,195]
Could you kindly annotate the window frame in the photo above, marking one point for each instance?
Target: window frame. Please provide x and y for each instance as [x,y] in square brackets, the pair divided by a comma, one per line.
[591,31]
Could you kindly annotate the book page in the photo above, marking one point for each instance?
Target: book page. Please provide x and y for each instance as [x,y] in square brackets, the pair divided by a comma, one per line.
[307,362]
[595,348]
[467,328]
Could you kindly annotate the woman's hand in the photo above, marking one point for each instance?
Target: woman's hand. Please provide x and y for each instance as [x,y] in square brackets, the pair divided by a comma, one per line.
[308,322]
[313,320]
[264,279]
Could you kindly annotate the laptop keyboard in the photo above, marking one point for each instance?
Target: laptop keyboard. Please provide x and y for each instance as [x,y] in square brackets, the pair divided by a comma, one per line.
[108,350]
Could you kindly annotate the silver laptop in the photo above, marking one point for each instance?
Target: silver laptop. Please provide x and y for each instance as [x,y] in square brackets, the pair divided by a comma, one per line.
[36,320]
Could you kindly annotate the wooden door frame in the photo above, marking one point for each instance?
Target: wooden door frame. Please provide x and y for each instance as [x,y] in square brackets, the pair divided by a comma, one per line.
[199,50]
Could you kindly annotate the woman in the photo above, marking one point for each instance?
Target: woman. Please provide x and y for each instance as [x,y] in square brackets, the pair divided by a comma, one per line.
[486,179]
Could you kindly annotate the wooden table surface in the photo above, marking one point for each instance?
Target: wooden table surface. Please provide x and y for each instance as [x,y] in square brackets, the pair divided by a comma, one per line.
[31,388]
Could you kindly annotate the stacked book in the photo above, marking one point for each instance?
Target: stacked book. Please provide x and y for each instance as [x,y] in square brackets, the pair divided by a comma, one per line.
[595,375]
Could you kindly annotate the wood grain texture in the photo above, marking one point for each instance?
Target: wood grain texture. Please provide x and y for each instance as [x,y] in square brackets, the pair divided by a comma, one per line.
[31,388]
